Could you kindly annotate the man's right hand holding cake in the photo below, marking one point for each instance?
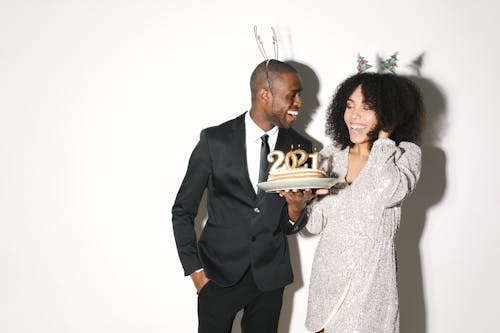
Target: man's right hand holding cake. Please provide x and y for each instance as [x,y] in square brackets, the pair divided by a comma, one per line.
[297,201]
[293,167]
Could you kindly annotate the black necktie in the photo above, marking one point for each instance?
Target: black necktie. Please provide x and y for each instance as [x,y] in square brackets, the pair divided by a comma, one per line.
[264,151]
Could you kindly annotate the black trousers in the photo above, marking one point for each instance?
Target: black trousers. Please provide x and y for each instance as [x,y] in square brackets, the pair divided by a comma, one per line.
[217,307]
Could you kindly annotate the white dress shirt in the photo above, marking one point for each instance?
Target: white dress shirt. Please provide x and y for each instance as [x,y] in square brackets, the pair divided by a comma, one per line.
[253,141]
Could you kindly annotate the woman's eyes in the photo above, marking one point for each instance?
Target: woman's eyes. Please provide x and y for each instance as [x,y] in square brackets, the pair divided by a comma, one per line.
[364,107]
[368,107]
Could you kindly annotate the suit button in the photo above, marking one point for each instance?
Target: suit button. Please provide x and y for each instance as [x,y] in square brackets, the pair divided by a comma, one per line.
[253,238]
[257,210]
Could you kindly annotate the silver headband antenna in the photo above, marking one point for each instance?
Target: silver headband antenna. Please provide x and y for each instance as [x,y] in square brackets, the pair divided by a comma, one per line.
[260,45]
[275,44]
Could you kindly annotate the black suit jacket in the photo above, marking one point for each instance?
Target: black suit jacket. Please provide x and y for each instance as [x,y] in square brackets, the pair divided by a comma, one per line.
[243,229]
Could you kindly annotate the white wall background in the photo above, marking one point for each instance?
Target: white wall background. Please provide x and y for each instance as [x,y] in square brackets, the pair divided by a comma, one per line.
[102,101]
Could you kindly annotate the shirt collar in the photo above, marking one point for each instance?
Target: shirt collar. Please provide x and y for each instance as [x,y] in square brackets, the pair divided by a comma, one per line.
[254,132]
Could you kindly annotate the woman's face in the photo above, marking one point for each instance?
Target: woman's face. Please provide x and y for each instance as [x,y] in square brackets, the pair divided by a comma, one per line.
[359,117]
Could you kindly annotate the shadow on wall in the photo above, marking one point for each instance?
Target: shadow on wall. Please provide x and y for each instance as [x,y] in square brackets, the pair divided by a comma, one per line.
[310,102]
[430,190]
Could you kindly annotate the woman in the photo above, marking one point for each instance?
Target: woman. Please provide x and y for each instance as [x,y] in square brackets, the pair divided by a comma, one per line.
[375,121]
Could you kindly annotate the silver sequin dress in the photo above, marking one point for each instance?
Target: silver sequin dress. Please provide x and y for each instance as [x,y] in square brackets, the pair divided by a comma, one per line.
[353,279]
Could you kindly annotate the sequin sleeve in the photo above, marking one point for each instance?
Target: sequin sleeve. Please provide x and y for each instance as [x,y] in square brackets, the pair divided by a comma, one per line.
[396,169]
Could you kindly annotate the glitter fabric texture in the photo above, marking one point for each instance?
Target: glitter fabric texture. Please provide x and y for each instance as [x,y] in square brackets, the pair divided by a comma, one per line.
[353,279]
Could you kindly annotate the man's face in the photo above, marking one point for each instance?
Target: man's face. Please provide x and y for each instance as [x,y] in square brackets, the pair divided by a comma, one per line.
[285,99]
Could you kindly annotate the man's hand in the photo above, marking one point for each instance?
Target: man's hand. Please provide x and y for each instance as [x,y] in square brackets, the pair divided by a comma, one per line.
[297,201]
[199,280]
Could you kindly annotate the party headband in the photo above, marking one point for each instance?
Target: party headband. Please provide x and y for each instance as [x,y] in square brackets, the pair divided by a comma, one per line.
[389,64]
[260,45]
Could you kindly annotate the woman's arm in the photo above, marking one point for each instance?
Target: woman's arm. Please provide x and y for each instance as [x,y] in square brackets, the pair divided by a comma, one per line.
[394,169]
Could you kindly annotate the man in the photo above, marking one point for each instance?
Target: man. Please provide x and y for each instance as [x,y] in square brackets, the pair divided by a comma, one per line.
[241,260]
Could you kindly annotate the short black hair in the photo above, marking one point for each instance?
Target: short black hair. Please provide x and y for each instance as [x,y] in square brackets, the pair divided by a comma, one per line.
[259,77]
[397,103]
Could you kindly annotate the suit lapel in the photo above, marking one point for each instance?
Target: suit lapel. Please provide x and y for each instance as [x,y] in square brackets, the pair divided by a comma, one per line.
[237,148]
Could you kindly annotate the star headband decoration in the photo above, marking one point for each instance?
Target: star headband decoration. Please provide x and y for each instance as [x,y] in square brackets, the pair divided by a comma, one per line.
[389,64]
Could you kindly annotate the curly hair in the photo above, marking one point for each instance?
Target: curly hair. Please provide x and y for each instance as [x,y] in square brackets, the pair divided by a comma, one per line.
[397,103]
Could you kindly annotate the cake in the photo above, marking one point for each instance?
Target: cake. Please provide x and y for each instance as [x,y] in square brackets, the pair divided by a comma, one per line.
[293,166]
[297,173]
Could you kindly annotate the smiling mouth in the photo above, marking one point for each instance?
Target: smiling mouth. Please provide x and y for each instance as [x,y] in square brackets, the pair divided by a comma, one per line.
[358,128]
[293,113]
